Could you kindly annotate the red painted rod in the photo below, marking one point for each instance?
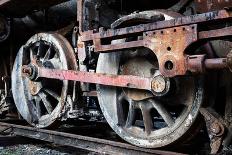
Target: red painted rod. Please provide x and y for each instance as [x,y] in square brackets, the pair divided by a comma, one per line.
[129,81]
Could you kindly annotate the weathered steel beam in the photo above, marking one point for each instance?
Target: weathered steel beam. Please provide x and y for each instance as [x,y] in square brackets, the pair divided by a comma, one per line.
[186,20]
[81,142]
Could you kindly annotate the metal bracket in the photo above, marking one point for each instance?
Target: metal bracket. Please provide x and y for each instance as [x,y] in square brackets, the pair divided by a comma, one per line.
[214,127]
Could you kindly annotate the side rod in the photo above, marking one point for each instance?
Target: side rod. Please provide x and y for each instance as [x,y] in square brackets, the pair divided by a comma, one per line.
[129,81]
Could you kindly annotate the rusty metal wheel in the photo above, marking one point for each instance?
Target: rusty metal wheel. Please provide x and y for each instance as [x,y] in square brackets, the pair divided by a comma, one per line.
[40,101]
[143,118]
[140,117]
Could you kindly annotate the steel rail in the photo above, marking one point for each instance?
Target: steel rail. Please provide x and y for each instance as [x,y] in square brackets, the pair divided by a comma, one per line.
[80,142]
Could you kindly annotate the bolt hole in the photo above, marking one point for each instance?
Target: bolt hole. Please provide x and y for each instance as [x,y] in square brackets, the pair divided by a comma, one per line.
[174,30]
[153,32]
[75,29]
[169,48]
[184,29]
[193,27]
[153,71]
[168,65]
[162,32]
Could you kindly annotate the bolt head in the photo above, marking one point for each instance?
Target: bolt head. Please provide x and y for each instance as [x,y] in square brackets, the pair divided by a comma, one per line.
[27,70]
[215,128]
[158,84]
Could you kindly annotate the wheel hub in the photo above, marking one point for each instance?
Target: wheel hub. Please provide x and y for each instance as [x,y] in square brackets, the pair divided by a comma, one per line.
[160,85]
[138,67]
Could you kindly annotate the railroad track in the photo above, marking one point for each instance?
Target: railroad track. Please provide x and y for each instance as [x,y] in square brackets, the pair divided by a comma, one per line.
[78,141]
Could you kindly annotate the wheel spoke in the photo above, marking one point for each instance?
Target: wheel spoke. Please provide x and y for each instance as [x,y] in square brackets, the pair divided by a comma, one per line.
[55,62]
[46,103]
[163,112]
[33,111]
[31,54]
[119,109]
[39,49]
[147,120]
[48,54]
[52,93]
[131,115]
[38,108]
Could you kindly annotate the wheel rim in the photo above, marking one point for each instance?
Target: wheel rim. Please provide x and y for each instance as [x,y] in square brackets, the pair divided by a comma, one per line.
[40,102]
[154,121]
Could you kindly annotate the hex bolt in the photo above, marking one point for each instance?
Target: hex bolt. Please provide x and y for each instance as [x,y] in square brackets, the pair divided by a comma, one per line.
[158,84]
[27,70]
[215,128]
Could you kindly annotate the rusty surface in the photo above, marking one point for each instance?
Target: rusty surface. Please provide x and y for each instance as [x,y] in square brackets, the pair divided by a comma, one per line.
[195,63]
[170,41]
[170,50]
[186,20]
[214,34]
[129,81]
[171,56]
[159,84]
[215,128]
[212,5]
[199,64]
[138,67]
[217,63]
[80,15]
[30,96]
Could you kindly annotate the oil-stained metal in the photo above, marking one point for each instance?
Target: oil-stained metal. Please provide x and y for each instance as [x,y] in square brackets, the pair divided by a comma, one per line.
[158,84]
[199,63]
[45,50]
[88,77]
[215,128]
[101,146]
[172,60]
[186,20]
[171,56]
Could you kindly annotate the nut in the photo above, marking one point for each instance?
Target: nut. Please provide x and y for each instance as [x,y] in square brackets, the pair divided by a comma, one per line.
[27,70]
[158,84]
[215,128]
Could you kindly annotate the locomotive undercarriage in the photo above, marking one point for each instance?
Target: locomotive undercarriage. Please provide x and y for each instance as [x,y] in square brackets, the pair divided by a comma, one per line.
[157,76]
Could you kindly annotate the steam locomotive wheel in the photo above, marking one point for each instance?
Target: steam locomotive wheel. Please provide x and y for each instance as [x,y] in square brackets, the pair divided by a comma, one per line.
[140,117]
[143,118]
[40,101]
